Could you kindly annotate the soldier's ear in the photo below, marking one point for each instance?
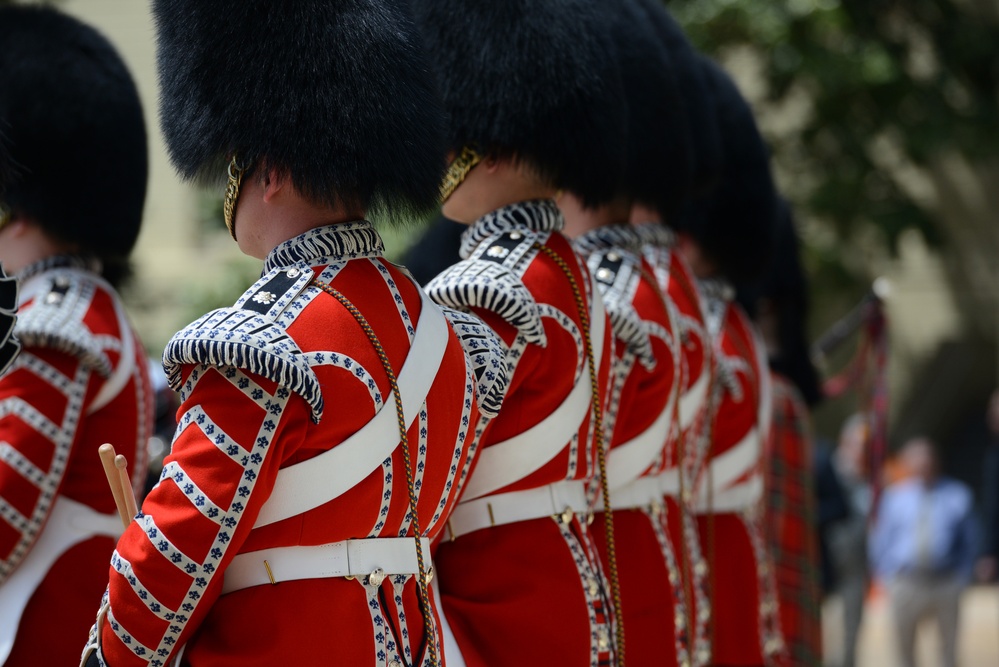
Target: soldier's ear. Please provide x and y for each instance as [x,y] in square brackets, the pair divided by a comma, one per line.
[274,181]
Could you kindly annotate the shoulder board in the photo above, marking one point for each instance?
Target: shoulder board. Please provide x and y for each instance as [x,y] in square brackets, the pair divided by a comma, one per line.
[54,319]
[492,279]
[617,276]
[487,354]
[246,336]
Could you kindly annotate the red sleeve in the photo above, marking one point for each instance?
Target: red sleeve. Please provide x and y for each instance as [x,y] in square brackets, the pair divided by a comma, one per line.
[235,430]
[42,400]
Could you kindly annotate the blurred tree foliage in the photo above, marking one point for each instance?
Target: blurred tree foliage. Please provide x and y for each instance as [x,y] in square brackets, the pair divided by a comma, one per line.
[920,74]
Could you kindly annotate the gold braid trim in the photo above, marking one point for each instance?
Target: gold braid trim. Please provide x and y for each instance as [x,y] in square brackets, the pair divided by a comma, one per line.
[458,171]
[598,419]
[424,578]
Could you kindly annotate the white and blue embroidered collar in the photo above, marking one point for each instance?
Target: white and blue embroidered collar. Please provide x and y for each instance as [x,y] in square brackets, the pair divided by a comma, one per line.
[322,245]
[610,237]
[540,215]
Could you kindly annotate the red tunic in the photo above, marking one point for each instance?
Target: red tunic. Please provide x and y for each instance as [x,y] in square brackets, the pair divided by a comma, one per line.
[676,280]
[745,629]
[287,375]
[642,418]
[80,381]
[791,524]
[529,590]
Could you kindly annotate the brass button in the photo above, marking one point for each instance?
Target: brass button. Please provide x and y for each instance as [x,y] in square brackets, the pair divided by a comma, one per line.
[567,514]
[376,577]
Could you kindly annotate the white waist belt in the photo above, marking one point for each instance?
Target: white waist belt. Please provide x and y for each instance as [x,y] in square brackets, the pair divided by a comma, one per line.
[642,493]
[735,498]
[380,556]
[563,499]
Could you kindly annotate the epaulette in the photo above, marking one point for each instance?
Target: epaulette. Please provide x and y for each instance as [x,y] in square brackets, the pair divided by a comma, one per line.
[248,337]
[617,275]
[487,353]
[54,320]
[492,279]
[9,347]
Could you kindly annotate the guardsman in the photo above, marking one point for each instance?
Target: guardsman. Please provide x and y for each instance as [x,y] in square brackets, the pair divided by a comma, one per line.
[676,280]
[729,240]
[527,85]
[327,415]
[641,415]
[779,305]
[70,212]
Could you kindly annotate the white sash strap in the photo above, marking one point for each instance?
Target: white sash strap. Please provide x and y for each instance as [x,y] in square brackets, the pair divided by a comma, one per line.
[563,499]
[693,400]
[69,523]
[503,463]
[381,556]
[627,461]
[735,498]
[729,466]
[309,484]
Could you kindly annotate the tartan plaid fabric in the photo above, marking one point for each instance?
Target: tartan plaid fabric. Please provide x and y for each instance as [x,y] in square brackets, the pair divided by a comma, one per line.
[790,522]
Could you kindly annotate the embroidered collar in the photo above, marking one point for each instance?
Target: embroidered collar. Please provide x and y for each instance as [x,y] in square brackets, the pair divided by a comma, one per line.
[655,234]
[716,289]
[621,237]
[348,240]
[91,264]
[540,215]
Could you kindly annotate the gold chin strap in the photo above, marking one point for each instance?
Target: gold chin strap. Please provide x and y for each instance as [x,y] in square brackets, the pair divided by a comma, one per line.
[231,195]
[458,171]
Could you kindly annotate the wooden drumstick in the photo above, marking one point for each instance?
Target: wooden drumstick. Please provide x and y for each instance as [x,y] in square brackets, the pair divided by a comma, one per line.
[126,486]
[107,454]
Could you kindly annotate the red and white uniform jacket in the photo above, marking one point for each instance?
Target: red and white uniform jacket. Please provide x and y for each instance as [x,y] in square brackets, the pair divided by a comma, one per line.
[80,381]
[642,420]
[519,575]
[744,616]
[676,280]
[281,530]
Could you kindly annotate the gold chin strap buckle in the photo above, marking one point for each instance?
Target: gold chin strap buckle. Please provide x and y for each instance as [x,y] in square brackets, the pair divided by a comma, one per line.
[235,173]
[458,171]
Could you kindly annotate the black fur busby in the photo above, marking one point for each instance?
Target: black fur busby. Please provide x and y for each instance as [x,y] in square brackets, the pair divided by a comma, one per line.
[701,122]
[735,222]
[658,159]
[783,294]
[71,120]
[335,93]
[531,80]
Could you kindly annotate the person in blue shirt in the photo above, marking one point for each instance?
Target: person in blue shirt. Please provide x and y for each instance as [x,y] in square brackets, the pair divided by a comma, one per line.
[922,546]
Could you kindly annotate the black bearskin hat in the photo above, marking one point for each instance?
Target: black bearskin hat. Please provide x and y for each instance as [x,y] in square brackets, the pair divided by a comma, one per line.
[658,162]
[735,222]
[71,120]
[335,93]
[531,80]
[784,289]
[701,121]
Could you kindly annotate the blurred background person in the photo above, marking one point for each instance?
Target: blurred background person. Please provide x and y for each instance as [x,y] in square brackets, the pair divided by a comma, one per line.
[847,538]
[922,547]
